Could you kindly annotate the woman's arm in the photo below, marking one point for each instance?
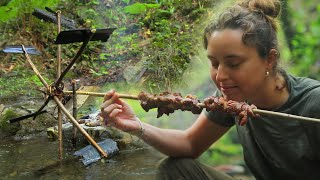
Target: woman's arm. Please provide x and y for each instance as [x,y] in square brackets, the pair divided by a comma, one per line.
[191,142]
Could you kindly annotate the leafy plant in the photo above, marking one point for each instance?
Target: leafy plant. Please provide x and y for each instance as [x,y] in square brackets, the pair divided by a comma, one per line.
[306,44]
[16,8]
[139,8]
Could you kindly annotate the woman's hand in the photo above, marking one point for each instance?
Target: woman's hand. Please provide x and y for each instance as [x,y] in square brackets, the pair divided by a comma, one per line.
[118,113]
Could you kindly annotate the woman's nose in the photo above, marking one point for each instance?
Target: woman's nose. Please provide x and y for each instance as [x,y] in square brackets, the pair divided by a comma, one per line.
[221,74]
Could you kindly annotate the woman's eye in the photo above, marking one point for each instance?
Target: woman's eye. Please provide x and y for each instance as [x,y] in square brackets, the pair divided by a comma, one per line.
[215,65]
[234,65]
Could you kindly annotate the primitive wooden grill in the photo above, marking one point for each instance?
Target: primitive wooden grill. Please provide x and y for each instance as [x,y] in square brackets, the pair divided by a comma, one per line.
[54,91]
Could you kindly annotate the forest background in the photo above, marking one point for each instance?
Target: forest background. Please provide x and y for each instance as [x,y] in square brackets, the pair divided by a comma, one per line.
[157,46]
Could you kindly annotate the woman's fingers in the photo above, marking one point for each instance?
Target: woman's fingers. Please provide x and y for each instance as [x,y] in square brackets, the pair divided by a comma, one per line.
[113,114]
[110,113]
[109,94]
[110,98]
[108,110]
[114,111]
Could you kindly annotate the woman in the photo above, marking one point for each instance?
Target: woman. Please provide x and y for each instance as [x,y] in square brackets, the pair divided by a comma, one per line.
[242,47]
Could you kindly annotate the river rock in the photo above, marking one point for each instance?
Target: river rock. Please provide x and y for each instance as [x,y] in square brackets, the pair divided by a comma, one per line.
[7,129]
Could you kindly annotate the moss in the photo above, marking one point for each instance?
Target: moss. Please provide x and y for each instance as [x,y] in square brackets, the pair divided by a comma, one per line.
[6,128]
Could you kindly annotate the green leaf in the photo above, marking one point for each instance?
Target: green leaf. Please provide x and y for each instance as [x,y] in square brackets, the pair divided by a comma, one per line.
[135,9]
[15,7]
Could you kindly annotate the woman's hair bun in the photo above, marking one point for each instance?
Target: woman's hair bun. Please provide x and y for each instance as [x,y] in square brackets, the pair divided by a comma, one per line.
[270,8]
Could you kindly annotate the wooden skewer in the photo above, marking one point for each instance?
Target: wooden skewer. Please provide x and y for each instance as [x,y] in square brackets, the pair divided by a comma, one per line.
[257,111]
[124,96]
[285,115]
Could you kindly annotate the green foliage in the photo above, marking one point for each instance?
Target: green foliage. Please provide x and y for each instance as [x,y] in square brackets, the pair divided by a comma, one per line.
[172,48]
[136,8]
[139,8]
[169,45]
[158,31]
[35,80]
[15,8]
[306,44]
[122,44]
[19,82]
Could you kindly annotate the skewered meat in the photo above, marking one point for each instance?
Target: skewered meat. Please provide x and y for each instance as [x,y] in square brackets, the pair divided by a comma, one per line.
[240,109]
[167,103]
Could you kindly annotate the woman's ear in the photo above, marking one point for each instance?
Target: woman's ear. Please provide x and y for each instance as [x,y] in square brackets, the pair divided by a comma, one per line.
[272,58]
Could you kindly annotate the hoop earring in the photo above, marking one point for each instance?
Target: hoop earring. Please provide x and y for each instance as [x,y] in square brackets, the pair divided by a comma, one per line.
[267,73]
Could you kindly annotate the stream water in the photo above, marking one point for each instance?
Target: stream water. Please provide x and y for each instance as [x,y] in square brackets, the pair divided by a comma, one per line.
[38,159]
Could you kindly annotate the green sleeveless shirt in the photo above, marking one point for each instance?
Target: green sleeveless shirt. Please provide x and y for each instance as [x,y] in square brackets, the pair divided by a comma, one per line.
[282,148]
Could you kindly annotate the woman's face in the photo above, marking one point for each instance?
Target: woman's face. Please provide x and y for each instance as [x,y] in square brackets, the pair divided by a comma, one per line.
[237,69]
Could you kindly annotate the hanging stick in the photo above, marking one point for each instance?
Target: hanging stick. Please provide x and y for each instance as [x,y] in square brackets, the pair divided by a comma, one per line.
[257,111]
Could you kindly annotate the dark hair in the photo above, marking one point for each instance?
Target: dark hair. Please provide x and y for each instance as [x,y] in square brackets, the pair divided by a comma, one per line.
[257,19]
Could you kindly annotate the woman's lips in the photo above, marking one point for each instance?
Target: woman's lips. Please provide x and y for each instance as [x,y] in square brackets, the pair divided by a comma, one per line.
[227,89]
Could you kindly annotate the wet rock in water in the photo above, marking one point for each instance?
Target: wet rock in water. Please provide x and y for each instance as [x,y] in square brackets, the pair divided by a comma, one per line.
[6,128]
[89,154]
[37,125]
[98,132]
[26,128]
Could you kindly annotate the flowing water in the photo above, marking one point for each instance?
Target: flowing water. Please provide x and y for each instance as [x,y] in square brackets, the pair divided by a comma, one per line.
[38,159]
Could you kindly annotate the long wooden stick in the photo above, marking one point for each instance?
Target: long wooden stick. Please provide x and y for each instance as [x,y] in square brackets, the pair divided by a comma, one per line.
[285,115]
[257,111]
[35,69]
[124,96]
[74,111]
[58,15]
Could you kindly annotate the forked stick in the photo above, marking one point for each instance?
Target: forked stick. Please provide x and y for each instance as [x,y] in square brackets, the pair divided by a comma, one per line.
[257,111]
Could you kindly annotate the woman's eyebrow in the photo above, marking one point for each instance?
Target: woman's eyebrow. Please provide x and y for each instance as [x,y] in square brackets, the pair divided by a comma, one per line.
[232,56]
[210,57]
[229,56]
